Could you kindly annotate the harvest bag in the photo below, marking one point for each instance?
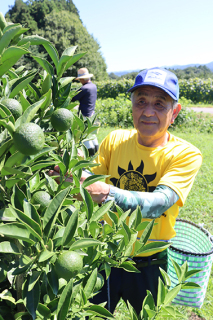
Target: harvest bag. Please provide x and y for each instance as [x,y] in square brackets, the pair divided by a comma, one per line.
[193,244]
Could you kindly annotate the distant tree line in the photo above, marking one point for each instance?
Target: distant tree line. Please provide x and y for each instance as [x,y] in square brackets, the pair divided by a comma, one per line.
[201,72]
[59,22]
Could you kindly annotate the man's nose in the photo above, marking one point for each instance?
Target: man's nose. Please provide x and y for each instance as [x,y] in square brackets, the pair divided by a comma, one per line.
[149,110]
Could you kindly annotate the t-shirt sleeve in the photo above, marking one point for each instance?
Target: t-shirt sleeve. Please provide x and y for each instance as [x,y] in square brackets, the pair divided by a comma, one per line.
[181,172]
[103,157]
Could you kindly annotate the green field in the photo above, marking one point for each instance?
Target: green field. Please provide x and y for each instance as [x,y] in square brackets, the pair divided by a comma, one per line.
[198,209]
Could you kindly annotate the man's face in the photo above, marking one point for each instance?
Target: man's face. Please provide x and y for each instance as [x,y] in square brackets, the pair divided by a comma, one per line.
[152,110]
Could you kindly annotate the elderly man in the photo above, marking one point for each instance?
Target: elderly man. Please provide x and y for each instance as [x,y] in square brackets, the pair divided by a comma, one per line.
[87,97]
[150,168]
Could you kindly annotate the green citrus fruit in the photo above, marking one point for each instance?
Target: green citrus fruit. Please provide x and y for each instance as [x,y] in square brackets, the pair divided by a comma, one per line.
[61,119]
[43,198]
[14,106]
[99,282]
[68,265]
[29,138]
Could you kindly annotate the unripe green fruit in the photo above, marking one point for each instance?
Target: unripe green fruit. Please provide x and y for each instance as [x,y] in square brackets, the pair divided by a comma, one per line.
[62,119]
[29,138]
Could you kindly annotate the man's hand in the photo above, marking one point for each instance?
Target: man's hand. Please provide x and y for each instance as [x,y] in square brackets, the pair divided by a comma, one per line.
[98,190]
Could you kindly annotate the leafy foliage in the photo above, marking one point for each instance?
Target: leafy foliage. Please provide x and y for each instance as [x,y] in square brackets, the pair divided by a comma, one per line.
[31,239]
[195,89]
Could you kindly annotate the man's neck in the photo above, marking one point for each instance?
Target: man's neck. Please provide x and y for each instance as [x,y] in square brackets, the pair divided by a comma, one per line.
[149,142]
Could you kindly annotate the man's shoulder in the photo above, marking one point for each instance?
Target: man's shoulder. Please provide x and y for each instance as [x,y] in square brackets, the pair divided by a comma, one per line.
[183,144]
[90,85]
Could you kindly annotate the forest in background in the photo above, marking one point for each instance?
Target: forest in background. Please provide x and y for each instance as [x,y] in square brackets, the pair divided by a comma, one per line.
[59,21]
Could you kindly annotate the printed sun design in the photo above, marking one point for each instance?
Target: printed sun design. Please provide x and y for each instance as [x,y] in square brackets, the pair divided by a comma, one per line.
[134,180]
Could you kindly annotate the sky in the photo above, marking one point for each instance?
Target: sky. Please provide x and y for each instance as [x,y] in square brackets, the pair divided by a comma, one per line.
[138,34]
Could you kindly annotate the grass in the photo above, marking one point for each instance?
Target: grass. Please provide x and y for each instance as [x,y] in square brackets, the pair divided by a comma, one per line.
[198,209]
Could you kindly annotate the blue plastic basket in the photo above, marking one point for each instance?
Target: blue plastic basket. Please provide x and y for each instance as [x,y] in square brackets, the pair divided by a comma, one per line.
[193,244]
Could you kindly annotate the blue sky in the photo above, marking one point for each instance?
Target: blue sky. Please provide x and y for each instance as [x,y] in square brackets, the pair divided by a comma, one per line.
[136,34]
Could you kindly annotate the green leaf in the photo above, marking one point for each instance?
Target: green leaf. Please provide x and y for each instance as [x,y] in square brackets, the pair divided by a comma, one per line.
[33,279]
[149,302]
[53,281]
[17,231]
[10,56]
[161,292]
[93,178]
[6,114]
[113,217]
[29,223]
[17,198]
[8,125]
[34,40]
[32,298]
[97,215]
[45,255]
[166,277]
[65,57]
[98,310]
[53,53]
[45,65]
[107,269]
[88,289]
[84,243]
[44,311]
[14,159]
[8,36]
[31,111]
[169,311]
[132,311]
[135,219]
[177,269]
[70,228]
[5,146]
[64,301]
[128,266]
[53,210]
[9,247]
[74,59]
[88,201]
[19,84]
[191,273]
[153,246]
[147,232]
[82,164]
[151,313]
[190,285]
[31,212]
[172,294]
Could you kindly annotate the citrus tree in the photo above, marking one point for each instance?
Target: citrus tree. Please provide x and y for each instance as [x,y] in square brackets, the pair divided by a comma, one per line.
[52,247]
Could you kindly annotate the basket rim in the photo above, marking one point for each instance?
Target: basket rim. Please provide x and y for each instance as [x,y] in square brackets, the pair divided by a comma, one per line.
[189,252]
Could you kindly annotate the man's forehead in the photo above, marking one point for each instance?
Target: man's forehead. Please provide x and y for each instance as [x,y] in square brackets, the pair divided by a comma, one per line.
[151,89]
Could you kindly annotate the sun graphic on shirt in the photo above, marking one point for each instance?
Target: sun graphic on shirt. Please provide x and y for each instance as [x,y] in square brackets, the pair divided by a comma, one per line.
[134,180]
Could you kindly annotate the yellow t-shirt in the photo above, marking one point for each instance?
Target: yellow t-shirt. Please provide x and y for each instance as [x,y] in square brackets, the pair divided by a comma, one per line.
[132,166]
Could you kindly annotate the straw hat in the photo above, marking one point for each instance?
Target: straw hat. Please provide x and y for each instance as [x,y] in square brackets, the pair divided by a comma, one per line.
[83,73]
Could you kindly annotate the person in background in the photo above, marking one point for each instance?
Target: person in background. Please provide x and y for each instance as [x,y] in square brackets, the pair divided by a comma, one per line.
[87,97]
[148,167]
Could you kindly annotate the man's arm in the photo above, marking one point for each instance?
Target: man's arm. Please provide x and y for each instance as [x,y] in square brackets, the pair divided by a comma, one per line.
[152,204]
[78,96]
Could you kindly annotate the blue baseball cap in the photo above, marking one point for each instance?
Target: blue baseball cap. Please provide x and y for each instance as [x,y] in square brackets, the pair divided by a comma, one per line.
[158,77]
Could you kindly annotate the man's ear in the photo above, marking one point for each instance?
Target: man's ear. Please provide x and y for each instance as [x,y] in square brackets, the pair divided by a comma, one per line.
[176,110]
